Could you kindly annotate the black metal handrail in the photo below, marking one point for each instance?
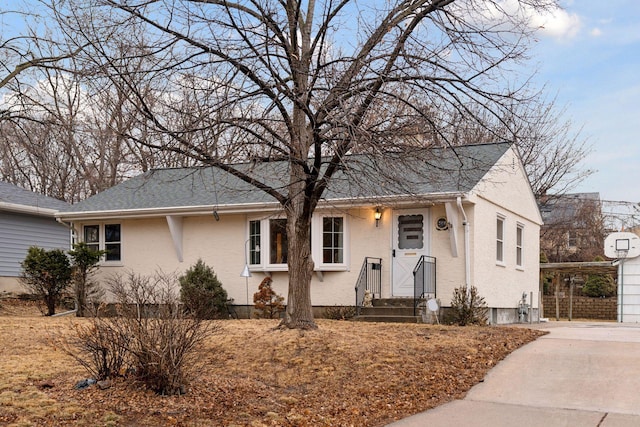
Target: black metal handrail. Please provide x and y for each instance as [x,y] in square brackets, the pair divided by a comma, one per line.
[369,279]
[424,280]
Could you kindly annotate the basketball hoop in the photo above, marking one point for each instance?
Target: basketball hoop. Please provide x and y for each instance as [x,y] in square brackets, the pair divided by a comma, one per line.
[622,253]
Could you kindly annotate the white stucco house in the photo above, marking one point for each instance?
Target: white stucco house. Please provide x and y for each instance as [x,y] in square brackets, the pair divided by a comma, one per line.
[26,219]
[475,220]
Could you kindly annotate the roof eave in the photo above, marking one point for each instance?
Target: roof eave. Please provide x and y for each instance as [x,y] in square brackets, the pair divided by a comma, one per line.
[248,208]
[27,209]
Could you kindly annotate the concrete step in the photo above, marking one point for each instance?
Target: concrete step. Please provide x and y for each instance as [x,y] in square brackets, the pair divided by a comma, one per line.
[388,319]
[393,302]
[387,311]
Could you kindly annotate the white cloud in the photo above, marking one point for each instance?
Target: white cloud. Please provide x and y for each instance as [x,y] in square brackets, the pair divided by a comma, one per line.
[596,32]
[557,23]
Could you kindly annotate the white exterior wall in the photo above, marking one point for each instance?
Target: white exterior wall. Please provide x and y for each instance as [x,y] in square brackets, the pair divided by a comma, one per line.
[147,247]
[502,284]
[449,269]
[505,192]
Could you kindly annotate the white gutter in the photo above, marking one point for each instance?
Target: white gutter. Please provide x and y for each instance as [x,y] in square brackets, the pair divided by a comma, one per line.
[35,210]
[244,207]
[467,259]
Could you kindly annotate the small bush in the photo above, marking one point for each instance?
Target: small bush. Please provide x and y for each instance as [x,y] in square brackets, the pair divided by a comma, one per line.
[47,275]
[599,286]
[267,303]
[340,312]
[202,293]
[85,262]
[468,307]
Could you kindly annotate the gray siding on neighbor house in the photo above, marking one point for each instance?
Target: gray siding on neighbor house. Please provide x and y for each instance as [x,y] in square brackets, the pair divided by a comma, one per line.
[20,231]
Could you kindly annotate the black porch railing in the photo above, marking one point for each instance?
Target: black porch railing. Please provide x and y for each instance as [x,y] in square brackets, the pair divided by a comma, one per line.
[424,280]
[370,279]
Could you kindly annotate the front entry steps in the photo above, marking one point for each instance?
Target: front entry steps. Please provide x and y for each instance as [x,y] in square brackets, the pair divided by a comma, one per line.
[394,310]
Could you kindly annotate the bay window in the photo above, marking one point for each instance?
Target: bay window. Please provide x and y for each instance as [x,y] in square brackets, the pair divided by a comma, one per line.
[268,243]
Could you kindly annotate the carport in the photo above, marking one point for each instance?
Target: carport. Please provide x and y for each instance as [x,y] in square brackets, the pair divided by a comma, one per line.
[570,271]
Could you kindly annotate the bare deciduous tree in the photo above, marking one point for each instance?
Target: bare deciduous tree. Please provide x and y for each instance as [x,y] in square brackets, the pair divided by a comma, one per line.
[309,82]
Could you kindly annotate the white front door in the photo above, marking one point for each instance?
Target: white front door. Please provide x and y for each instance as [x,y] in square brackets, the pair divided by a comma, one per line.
[410,242]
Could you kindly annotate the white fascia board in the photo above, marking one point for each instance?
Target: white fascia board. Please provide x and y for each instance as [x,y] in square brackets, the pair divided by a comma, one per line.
[248,208]
[162,212]
[26,209]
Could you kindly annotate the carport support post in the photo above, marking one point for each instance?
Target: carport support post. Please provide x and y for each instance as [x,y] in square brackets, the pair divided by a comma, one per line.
[571,281]
[556,280]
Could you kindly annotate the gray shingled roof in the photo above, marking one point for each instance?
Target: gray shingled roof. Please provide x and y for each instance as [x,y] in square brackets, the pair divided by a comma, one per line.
[210,186]
[15,195]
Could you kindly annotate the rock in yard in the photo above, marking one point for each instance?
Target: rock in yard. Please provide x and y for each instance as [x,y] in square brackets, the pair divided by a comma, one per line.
[81,385]
[103,385]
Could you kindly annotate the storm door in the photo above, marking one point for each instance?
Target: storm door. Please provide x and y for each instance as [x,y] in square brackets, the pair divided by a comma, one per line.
[410,242]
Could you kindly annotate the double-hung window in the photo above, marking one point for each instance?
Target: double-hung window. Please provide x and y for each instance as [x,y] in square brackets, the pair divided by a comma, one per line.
[104,237]
[332,240]
[500,239]
[519,240]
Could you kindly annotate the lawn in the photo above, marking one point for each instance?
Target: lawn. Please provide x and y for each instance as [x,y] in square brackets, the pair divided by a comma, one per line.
[343,374]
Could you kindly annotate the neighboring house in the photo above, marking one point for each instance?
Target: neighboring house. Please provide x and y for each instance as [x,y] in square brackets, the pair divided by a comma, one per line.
[573,227]
[167,219]
[26,219]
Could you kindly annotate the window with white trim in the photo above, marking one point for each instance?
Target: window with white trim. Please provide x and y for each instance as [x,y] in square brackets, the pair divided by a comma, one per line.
[332,240]
[278,246]
[268,243]
[104,237]
[500,239]
[254,242]
[519,239]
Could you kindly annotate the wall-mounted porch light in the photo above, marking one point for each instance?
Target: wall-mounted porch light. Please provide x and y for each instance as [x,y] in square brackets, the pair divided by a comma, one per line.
[377,215]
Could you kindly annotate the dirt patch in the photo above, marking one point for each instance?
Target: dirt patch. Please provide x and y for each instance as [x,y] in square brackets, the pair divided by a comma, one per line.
[345,373]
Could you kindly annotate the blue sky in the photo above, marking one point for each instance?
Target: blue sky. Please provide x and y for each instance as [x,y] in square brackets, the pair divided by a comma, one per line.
[589,56]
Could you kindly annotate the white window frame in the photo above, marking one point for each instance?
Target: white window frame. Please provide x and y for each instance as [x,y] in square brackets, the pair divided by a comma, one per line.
[500,239]
[265,248]
[520,246]
[316,244]
[102,243]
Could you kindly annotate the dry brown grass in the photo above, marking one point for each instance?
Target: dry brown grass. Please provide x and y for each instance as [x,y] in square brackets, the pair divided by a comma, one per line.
[343,374]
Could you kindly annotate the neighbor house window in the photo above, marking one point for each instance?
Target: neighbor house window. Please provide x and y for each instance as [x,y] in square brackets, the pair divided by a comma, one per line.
[332,240]
[500,239]
[278,241]
[105,237]
[92,237]
[572,239]
[519,238]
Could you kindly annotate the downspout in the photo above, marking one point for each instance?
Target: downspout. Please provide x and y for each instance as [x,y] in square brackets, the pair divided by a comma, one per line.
[467,259]
[71,227]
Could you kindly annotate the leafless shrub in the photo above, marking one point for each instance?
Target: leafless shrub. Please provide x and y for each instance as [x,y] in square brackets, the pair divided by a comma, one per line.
[100,348]
[147,334]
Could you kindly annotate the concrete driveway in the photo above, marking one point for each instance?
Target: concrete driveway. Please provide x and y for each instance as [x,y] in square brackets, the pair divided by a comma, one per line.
[580,374]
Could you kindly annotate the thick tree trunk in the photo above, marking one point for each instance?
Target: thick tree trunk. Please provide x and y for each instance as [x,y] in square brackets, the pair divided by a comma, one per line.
[299,312]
